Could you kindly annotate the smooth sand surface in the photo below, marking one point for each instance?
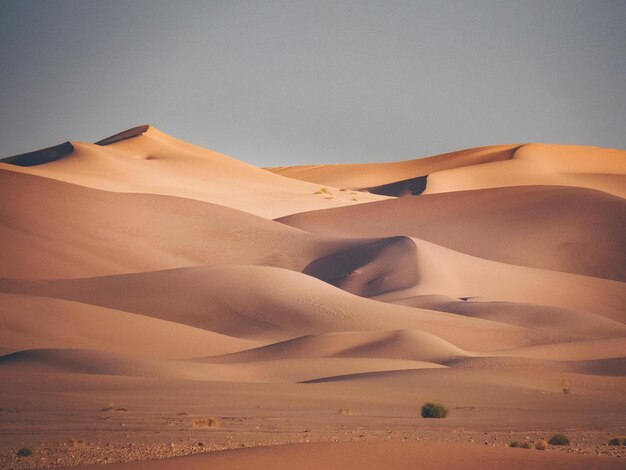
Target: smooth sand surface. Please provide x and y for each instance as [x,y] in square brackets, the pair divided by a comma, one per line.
[157,163]
[158,299]
[550,227]
[374,455]
[484,167]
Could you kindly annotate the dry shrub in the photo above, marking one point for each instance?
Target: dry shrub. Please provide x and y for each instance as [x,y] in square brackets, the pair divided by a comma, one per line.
[74,442]
[345,412]
[205,423]
[541,445]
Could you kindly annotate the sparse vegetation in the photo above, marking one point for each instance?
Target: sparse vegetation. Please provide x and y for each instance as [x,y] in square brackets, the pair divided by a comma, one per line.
[205,423]
[525,445]
[565,386]
[540,445]
[323,191]
[559,440]
[514,444]
[25,452]
[345,412]
[75,442]
[618,441]
[434,410]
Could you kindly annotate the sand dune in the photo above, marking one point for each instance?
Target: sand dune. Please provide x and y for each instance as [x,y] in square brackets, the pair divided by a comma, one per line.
[484,167]
[399,344]
[97,362]
[146,271]
[367,175]
[547,227]
[542,164]
[276,305]
[576,323]
[156,163]
[53,229]
[45,323]
[447,272]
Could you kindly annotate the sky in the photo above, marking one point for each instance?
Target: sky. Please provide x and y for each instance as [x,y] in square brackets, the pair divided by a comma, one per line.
[309,82]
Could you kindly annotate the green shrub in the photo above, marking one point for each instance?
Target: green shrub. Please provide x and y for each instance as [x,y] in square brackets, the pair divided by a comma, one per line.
[525,445]
[559,440]
[434,410]
[24,452]
[514,444]
[618,441]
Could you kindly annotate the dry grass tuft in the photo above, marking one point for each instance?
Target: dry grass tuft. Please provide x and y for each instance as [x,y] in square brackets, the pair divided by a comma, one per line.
[565,386]
[76,443]
[323,191]
[345,412]
[205,423]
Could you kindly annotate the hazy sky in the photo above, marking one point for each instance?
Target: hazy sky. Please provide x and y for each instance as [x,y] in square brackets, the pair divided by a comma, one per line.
[288,82]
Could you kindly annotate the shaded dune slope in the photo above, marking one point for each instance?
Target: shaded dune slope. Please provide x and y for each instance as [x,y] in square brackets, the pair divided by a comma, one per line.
[369,269]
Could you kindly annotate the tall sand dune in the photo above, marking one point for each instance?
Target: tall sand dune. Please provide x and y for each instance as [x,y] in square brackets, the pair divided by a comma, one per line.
[156,163]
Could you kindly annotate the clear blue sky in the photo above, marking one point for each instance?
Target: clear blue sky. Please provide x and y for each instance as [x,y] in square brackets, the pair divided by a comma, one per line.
[287,82]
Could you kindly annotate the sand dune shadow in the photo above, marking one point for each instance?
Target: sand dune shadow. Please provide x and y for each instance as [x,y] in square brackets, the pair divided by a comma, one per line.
[369,268]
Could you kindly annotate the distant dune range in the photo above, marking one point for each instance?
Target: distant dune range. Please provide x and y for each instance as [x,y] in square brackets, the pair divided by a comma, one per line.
[482,167]
[495,270]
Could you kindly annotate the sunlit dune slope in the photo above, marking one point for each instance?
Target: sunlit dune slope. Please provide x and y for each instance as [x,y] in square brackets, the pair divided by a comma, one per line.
[367,175]
[552,227]
[484,167]
[156,163]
